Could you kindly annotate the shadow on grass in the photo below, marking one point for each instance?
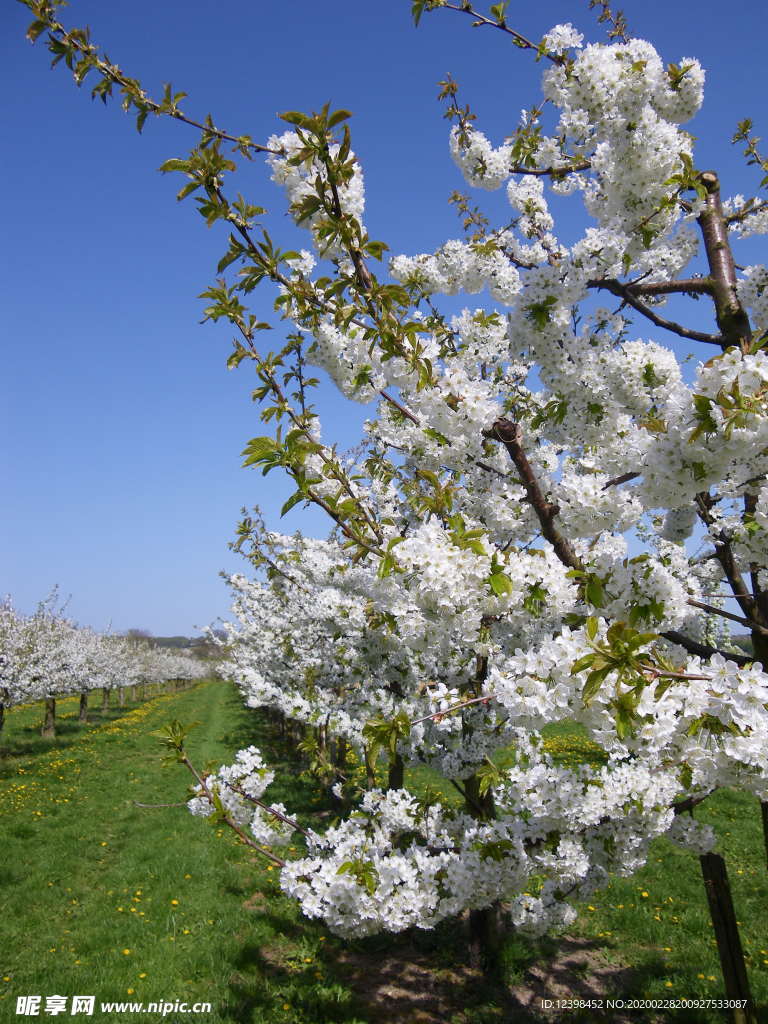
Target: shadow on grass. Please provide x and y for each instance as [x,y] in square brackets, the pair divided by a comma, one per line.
[419,977]
[265,981]
[21,743]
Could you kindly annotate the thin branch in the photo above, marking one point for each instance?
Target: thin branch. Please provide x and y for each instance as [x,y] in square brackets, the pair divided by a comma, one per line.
[623,479]
[725,557]
[229,821]
[131,88]
[267,807]
[714,610]
[520,40]
[554,172]
[746,211]
[625,293]
[454,707]
[400,408]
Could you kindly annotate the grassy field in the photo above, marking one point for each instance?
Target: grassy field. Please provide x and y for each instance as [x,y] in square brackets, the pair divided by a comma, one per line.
[102,897]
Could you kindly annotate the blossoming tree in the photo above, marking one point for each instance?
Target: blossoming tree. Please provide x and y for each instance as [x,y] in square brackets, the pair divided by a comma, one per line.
[549,517]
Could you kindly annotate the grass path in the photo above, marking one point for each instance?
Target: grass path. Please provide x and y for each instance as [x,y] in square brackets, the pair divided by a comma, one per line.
[101,897]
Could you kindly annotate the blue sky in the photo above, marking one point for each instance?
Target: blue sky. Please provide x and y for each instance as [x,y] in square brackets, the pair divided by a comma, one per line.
[122,428]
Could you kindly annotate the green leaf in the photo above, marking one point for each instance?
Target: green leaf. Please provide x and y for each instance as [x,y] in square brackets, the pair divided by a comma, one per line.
[35,29]
[363,872]
[175,164]
[498,11]
[500,584]
[258,449]
[662,686]
[293,500]
[337,117]
[594,593]
[585,662]
[594,681]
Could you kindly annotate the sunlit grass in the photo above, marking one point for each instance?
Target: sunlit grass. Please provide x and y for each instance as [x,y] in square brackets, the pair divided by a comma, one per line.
[103,897]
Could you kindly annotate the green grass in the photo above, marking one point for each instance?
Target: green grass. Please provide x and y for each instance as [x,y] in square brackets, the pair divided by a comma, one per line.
[86,875]
[102,897]
[658,921]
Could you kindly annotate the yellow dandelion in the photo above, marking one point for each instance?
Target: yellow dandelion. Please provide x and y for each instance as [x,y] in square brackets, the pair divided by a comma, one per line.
[126,952]
[174,903]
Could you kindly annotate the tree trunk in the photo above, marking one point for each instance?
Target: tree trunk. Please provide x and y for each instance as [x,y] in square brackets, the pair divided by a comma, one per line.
[486,932]
[340,758]
[104,698]
[134,694]
[49,721]
[763,814]
[727,936]
[760,648]
[396,773]
[82,715]
[121,696]
[487,926]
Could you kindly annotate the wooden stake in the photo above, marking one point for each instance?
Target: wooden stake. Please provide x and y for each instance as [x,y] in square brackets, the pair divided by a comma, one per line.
[727,937]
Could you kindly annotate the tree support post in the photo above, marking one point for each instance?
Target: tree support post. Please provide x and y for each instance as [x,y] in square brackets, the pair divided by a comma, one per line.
[727,936]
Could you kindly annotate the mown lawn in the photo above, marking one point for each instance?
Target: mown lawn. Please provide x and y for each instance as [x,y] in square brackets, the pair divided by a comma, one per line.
[102,897]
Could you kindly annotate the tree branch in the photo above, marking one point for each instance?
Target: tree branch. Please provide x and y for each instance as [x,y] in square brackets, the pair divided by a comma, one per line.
[724,555]
[746,211]
[687,286]
[510,435]
[731,316]
[712,609]
[623,479]
[519,40]
[626,294]
[704,651]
